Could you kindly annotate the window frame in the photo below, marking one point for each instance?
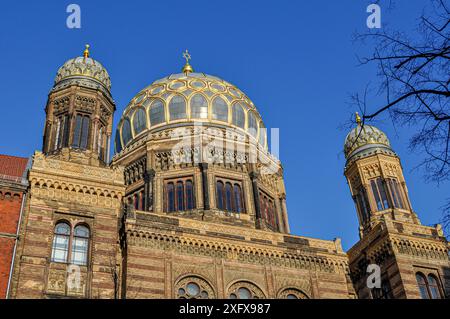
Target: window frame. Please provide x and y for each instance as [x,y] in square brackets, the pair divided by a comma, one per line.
[71,237]
[176,201]
[221,199]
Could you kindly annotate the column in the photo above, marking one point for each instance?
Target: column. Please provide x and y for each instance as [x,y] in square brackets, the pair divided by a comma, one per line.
[254,179]
[205,186]
[285,217]
[148,189]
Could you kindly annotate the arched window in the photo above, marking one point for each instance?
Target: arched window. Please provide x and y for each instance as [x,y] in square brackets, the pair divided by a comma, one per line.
[362,204]
[157,115]
[229,197]
[142,203]
[434,287]
[100,146]
[189,195]
[220,195]
[268,211]
[262,134]
[170,197]
[199,107]
[136,201]
[395,192]
[193,288]
[61,132]
[423,287]
[238,199]
[180,196]
[80,245]
[81,132]
[177,108]
[126,131]
[238,115]
[219,109]
[118,144]
[379,192]
[292,293]
[245,290]
[139,121]
[61,239]
[252,124]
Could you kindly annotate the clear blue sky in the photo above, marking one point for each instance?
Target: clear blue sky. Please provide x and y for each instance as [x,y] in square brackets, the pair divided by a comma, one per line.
[294,59]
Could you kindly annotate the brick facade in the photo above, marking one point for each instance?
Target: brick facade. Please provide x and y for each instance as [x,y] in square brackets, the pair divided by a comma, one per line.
[12,189]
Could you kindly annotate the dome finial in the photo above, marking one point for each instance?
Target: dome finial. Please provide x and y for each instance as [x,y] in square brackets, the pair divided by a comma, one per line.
[187,67]
[358,118]
[86,51]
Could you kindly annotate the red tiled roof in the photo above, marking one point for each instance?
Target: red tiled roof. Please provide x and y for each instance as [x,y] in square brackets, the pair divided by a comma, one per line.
[12,166]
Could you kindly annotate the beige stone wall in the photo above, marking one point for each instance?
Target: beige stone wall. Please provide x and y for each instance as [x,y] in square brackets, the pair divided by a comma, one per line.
[164,250]
[75,193]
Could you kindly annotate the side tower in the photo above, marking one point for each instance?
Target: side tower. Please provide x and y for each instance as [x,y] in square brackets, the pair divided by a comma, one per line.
[413,258]
[68,236]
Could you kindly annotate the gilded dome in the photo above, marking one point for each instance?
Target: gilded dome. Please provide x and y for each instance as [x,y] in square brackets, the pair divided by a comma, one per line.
[365,139]
[184,98]
[83,68]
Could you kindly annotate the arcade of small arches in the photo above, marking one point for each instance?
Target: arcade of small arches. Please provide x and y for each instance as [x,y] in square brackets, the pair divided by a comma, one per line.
[195,287]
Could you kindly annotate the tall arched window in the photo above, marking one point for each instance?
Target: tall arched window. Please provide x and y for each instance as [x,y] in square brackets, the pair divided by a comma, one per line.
[379,192]
[177,108]
[118,144]
[434,287]
[229,197]
[136,201]
[139,121]
[142,203]
[61,239]
[180,196]
[199,107]
[220,195]
[238,199]
[262,134]
[157,115]
[268,211]
[100,142]
[126,131]
[238,115]
[362,204]
[61,132]
[80,245]
[252,124]
[189,195]
[170,197]
[220,109]
[81,132]
[422,282]
[395,192]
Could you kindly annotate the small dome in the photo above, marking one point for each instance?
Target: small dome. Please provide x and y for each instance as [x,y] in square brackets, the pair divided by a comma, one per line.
[365,138]
[185,98]
[82,68]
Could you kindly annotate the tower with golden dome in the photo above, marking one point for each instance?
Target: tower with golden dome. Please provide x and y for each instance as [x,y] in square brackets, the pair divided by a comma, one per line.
[413,258]
[67,242]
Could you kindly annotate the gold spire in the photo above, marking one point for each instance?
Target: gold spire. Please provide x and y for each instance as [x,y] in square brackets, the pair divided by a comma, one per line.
[187,68]
[86,51]
[358,118]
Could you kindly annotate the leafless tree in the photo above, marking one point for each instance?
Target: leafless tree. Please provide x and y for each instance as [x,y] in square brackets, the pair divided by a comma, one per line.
[414,78]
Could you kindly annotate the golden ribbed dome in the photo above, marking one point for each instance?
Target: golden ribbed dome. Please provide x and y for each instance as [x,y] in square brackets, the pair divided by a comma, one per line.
[364,138]
[83,68]
[185,98]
